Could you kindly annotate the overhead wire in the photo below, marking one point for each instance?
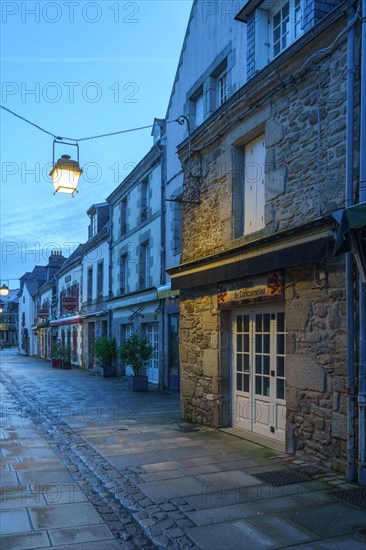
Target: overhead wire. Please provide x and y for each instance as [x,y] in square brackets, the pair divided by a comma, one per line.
[55,136]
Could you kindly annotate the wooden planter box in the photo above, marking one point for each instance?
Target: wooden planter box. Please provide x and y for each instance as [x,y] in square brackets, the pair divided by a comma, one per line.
[138,383]
[109,372]
[55,363]
[66,365]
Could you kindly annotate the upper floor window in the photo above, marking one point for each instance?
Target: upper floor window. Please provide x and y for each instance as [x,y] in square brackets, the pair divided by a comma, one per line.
[100,279]
[145,199]
[198,110]
[90,283]
[254,199]
[271,28]
[222,92]
[145,272]
[124,216]
[286,24]
[123,273]
[93,226]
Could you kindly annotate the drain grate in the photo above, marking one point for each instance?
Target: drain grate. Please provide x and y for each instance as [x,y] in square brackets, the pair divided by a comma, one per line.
[281,477]
[360,531]
[355,497]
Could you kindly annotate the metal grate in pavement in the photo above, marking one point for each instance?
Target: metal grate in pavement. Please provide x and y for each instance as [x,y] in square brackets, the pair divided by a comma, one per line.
[355,497]
[281,477]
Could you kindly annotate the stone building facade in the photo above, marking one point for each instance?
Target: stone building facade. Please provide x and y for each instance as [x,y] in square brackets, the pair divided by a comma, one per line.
[137,241]
[95,265]
[262,299]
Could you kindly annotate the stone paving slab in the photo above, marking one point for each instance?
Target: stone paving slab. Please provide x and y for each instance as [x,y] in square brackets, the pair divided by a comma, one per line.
[63,515]
[229,480]
[328,521]
[90,533]
[26,541]
[221,513]
[285,532]
[172,488]
[100,545]
[232,536]
[14,521]
[63,493]
[33,477]
[121,461]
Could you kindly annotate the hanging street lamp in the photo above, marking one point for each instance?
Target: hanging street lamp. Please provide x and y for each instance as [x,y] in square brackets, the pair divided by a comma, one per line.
[4,290]
[66,172]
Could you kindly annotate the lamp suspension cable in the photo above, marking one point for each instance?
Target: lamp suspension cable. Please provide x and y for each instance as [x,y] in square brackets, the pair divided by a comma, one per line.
[55,136]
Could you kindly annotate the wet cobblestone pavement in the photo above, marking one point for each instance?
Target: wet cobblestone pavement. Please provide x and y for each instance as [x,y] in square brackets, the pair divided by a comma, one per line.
[87,464]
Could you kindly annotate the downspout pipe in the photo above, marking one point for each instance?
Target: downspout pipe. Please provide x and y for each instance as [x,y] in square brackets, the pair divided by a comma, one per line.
[351,385]
[362,290]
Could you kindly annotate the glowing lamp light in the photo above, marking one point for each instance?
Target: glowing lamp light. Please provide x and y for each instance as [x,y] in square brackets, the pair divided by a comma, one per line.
[4,290]
[65,175]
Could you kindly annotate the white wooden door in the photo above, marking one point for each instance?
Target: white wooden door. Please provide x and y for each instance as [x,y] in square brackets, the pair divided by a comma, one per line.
[258,367]
[152,333]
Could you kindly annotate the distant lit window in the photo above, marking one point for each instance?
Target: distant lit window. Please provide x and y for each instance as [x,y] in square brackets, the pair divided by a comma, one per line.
[222,88]
[93,226]
[199,112]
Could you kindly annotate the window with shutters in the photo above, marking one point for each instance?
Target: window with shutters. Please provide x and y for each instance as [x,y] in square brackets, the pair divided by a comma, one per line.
[144,199]
[124,216]
[100,279]
[123,274]
[90,284]
[145,279]
[254,176]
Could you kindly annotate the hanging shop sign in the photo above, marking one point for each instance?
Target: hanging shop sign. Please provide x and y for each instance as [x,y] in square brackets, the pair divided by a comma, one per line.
[257,289]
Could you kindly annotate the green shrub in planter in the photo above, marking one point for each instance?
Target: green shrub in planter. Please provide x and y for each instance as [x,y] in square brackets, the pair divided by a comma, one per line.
[105,350]
[136,352]
[55,354]
[65,356]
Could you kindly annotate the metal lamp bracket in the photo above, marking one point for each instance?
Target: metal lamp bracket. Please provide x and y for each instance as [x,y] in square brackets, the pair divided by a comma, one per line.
[63,141]
[194,181]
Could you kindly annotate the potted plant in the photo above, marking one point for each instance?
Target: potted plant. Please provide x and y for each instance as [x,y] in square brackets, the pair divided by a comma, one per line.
[55,355]
[105,350]
[136,352]
[65,354]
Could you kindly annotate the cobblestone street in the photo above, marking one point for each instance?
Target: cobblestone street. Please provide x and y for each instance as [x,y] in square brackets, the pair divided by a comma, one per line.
[87,464]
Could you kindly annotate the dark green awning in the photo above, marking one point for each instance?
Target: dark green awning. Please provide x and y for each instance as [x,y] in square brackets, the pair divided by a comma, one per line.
[353,218]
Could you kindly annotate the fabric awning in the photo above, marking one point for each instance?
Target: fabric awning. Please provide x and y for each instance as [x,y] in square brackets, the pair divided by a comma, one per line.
[93,314]
[353,217]
[65,321]
[301,252]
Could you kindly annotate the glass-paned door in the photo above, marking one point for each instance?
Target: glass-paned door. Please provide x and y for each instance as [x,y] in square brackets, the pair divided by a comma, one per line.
[259,377]
[152,333]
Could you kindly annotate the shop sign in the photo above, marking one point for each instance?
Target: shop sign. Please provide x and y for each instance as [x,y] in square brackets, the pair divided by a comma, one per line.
[257,289]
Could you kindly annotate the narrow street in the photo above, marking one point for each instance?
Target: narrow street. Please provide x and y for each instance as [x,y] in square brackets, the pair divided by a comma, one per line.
[87,464]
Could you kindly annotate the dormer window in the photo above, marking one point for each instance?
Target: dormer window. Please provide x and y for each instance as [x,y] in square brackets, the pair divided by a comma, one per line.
[93,225]
[286,25]
[272,26]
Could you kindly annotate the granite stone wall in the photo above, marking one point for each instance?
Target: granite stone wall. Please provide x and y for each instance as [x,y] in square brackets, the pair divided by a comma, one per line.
[304,126]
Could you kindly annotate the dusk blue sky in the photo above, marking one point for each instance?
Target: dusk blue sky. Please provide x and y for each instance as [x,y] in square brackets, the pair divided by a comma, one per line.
[94,67]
